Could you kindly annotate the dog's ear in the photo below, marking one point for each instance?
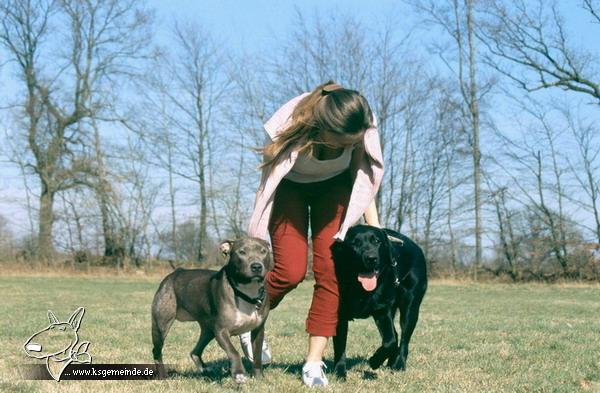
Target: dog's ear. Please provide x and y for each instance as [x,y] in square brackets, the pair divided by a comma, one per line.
[338,248]
[225,247]
[394,239]
[264,243]
[388,240]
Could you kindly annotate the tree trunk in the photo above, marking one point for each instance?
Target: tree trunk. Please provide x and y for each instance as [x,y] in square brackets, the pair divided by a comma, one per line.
[453,253]
[549,220]
[203,208]
[45,248]
[504,239]
[213,207]
[113,249]
[174,243]
[474,109]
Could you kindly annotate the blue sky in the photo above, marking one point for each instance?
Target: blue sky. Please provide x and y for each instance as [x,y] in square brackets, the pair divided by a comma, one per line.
[253,23]
[250,24]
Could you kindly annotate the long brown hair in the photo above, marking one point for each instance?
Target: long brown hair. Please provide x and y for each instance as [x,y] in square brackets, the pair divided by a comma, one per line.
[328,107]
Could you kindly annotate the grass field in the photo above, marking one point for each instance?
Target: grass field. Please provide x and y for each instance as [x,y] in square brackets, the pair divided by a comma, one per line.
[470,338]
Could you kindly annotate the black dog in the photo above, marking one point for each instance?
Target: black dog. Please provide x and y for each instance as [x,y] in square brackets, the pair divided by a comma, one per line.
[379,271]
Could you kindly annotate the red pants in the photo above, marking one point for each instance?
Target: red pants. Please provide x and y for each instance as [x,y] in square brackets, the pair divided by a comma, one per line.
[326,201]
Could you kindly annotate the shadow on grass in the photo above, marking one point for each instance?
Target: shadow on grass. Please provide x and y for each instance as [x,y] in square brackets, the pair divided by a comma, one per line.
[219,370]
[296,368]
[216,371]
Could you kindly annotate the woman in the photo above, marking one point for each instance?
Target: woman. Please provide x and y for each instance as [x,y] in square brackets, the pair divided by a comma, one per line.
[322,169]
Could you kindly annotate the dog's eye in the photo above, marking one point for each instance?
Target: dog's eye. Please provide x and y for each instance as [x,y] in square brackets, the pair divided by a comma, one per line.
[242,252]
[376,241]
[263,251]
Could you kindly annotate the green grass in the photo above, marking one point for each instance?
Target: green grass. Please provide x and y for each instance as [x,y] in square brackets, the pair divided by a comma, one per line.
[470,338]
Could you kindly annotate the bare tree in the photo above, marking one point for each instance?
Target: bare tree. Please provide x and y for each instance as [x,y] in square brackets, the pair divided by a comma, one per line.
[585,167]
[6,240]
[75,235]
[16,153]
[321,47]
[24,27]
[456,174]
[396,82]
[401,90]
[473,101]
[458,21]
[233,200]
[593,8]
[136,212]
[454,151]
[531,46]
[192,98]
[154,126]
[538,176]
[402,173]
[508,241]
[103,187]
[98,39]
[433,173]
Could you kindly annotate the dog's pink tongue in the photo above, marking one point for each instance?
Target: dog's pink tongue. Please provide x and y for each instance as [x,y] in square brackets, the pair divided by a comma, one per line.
[368,282]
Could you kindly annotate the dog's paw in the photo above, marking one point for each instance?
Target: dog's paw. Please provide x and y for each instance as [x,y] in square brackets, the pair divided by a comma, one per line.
[377,359]
[197,361]
[374,362]
[397,364]
[340,370]
[201,366]
[162,372]
[207,370]
[341,373]
[240,378]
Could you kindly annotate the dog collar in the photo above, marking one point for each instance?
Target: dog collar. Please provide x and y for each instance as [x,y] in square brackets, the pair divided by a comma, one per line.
[395,272]
[397,280]
[257,301]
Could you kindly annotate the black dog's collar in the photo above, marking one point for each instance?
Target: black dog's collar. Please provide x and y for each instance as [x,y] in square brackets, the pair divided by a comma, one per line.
[395,272]
[397,280]
[257,301]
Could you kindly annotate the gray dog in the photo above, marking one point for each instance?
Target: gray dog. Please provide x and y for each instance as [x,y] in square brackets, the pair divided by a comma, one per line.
[227,302]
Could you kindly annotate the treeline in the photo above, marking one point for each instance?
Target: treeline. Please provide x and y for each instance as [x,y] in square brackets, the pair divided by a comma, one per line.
[130,146]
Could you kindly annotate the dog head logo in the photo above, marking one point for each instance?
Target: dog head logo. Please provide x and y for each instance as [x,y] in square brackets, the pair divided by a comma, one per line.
[59,344]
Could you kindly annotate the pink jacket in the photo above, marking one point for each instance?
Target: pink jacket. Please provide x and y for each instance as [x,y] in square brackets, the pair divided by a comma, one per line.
[367,170]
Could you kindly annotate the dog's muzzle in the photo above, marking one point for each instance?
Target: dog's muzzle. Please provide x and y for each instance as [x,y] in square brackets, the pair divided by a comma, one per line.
[370,262]
[256,267]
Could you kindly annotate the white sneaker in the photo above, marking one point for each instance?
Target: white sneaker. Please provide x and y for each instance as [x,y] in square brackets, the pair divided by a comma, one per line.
[313,374]
[246,343]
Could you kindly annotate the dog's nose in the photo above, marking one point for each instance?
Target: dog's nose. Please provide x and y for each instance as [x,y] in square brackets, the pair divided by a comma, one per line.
[371,260]
[256,267]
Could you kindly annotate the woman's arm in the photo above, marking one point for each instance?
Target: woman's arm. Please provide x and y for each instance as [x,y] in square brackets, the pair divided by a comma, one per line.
[371,215]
